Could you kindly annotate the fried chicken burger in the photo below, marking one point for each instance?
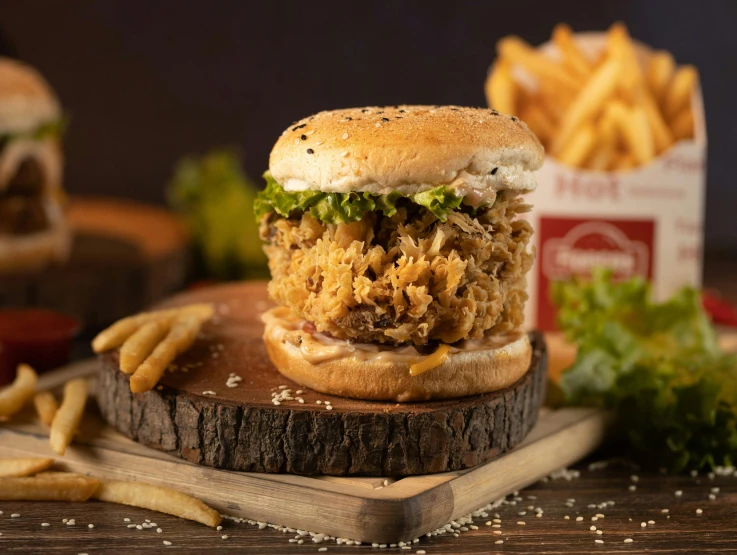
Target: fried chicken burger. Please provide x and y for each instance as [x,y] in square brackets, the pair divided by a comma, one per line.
[397,252]
[33,232]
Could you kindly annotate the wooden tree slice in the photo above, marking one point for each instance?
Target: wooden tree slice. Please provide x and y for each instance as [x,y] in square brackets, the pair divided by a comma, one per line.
[240,428]
[125,256]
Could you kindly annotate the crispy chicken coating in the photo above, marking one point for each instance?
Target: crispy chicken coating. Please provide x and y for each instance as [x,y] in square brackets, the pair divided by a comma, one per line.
[409,278]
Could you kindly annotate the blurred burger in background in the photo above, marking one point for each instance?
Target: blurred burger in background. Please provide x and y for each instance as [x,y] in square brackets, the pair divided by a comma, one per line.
[33,233]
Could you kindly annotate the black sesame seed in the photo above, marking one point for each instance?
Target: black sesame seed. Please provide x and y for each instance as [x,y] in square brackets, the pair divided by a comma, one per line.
[493,172]
[384,119]
[364,110]
[494,113]
[455,109]
[380,112]
[348,118]
[299,127]
[513,118]
[402,111]
[303,137]
[397,117]
[310,151]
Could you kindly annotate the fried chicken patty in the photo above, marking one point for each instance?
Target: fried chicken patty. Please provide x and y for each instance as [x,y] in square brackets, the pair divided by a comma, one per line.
[409,278]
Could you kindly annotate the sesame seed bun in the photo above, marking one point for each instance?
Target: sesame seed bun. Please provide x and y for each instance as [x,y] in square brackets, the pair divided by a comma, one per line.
[407,148]
[462,373]
[26,99]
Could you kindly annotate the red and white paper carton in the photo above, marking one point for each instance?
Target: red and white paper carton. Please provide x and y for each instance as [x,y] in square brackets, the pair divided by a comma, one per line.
[647,221]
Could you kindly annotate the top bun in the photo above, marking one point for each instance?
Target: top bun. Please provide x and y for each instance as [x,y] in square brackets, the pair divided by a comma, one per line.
[26,99]
[406,148]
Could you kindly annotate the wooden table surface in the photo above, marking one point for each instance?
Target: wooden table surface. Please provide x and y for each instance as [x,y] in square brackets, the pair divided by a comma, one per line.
[679,530]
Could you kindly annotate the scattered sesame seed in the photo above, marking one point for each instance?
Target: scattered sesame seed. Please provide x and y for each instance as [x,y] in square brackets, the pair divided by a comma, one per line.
[45,524]
[600,532]
[594,518]
[664,511]
[715,490]
[345,136]
[219,528]
[651,522]
[224,537]
[699,511]
[15,515]
[567,517]
[497,532]
[499,542]
[310,151]
[488,523]
[635,478]
[126,520]
[632,488]
[139,527]
[90,526]
[598,541]
[678,493]
[328,407]
[166,542]
[131,526]
[628,540]
[159,530]
[592,528]
[521,522]
[579,518]
[318,402]
[325,549]
[712,497]
[208,392]
[643,524]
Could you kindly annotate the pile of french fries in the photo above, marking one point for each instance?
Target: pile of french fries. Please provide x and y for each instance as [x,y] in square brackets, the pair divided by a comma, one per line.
[29,479]
[605,112]
[149,342]
[63,420]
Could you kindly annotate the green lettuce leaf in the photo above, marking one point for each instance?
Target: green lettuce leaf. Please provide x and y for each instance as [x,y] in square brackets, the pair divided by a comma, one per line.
[55,128]
[335,208]
[212,194]
[657,365]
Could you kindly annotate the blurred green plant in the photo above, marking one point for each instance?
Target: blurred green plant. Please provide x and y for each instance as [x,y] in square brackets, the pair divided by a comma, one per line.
[658,365]
[215,199]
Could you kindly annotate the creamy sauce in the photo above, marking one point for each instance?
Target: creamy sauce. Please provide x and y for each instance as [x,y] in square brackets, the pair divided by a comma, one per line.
[317,347]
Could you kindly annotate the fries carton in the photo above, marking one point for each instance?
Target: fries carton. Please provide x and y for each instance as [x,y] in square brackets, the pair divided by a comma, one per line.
[646,221]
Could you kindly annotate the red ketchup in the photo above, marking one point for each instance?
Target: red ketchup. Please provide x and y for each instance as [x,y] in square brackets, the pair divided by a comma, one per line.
[37,337]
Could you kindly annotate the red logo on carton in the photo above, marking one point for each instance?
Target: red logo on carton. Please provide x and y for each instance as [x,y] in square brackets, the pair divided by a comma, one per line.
[574,246]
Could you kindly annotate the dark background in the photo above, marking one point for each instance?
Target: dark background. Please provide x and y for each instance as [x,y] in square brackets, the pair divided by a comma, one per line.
[146,82]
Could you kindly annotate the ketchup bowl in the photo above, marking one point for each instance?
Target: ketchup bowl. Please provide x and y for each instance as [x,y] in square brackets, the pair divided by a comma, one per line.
[35,336]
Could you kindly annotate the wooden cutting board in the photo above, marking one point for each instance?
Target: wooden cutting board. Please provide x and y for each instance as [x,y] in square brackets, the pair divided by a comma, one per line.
[125,256]
[374,509]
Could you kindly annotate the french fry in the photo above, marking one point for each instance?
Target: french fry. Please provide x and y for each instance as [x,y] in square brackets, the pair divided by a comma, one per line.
[573,58]
[141,344]
[46,406]
[516,51]
[537,120]
[683,125]
[14,396]
[681,88]
[16,468]
[67,418]
[155,498]
[69,487]
[116,335]
[662,137]
[624,161]
[660,69]
[602,157]
[579,147]
[501,89]
[589,101]
[634,129]
[182,335]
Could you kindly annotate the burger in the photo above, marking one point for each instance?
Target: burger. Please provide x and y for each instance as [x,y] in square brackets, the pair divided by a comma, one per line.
[33,233]
[398,251]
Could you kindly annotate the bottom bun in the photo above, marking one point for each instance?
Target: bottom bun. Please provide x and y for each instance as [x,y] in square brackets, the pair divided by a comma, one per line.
[30,253]
[463,372]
